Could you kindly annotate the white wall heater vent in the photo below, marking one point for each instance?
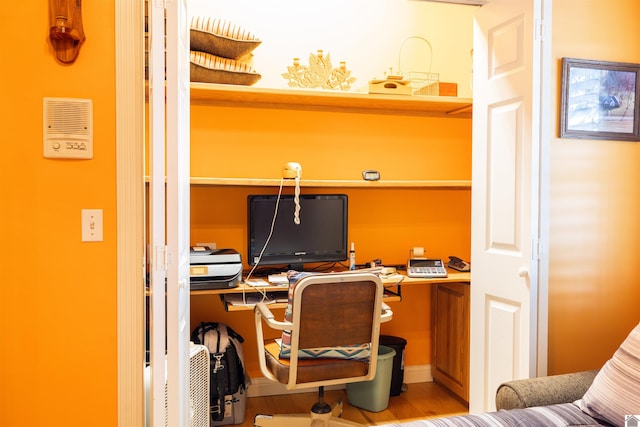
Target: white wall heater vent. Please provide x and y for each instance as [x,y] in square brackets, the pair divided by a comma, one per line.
[199,379]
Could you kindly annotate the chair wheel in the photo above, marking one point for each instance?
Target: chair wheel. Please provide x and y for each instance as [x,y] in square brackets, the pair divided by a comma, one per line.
[321,408]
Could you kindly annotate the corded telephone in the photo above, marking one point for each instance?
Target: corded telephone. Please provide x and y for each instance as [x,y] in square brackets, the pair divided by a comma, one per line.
[458,264]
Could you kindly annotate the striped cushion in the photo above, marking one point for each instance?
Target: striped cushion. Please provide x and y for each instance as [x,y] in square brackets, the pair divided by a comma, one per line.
[615,391]
[221,38]
[209,68]
[565,414]
[356,351]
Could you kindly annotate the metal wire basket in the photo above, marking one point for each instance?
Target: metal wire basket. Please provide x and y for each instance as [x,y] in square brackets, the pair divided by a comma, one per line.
[423,82]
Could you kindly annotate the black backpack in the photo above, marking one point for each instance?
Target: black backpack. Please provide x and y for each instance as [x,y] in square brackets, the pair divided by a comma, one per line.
[226,363]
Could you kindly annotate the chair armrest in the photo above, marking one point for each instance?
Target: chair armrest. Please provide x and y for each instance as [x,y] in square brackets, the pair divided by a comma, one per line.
[263,311]
[544,391]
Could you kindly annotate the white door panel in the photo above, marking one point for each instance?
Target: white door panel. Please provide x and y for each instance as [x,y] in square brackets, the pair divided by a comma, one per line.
[504,189]
[502,345]
[504,217]
[156,417]
[169,171]
[178,221]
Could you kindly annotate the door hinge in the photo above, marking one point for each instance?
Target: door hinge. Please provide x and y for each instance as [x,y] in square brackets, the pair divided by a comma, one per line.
[160,260]
[538,30]
[537,249]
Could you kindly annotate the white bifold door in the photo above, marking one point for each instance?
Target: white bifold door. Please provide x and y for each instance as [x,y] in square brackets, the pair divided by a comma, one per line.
[508,139]
[169,112]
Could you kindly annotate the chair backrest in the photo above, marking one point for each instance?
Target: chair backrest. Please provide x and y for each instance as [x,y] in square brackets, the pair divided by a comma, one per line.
[331,329]
[336,310]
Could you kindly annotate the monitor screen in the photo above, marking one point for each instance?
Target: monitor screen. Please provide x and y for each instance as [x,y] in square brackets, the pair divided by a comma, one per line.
[321,235]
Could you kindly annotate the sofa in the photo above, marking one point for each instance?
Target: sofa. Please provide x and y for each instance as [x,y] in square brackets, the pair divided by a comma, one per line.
[606,397]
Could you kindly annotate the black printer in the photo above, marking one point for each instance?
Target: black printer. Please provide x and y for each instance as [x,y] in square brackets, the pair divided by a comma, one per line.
[214,268]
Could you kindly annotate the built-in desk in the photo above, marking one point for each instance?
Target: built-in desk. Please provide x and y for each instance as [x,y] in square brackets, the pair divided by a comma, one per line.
[449,325]
[393,288]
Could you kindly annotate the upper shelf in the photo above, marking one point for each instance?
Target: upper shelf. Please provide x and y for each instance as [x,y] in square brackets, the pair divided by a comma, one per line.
[463,184]
[259,182]
[352,102]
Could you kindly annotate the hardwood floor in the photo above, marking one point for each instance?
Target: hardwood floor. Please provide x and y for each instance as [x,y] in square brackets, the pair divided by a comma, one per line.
[419,401]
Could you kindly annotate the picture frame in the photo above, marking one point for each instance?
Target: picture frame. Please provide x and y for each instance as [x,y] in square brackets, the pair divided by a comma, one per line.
[600,100]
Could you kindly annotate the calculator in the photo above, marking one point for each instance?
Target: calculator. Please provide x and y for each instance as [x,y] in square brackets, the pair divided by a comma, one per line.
[426,267]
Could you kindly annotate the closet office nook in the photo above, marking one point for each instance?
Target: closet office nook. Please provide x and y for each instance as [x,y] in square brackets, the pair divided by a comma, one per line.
[325,85]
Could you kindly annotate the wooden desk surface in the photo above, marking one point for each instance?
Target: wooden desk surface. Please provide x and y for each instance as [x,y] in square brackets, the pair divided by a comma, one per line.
[452,277]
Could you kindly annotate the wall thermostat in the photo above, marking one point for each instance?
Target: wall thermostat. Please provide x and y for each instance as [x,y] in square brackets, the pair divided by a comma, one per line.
[370,175]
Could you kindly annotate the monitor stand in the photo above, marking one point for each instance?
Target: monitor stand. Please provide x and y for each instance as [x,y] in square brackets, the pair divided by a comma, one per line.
[297,267]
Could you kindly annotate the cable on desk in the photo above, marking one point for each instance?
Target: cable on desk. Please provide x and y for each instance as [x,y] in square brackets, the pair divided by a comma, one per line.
[264,247]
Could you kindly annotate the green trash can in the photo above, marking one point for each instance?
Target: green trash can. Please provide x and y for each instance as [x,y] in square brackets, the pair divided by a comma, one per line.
[374,395]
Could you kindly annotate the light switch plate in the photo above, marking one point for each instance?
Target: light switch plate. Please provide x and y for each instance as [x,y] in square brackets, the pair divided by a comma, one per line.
[92,225]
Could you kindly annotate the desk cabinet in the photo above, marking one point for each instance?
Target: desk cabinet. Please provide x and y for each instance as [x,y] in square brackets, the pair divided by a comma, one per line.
[450,333]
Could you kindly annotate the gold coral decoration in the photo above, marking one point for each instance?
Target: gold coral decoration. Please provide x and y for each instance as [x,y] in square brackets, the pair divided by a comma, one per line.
[319,73]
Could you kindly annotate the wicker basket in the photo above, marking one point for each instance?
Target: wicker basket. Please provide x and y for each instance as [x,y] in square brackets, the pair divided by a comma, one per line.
[423,82]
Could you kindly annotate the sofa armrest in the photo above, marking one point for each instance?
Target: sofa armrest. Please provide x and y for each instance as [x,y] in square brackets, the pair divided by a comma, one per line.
[544,391]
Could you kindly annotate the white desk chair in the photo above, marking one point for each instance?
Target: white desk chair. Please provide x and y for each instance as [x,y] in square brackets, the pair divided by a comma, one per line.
[329,310]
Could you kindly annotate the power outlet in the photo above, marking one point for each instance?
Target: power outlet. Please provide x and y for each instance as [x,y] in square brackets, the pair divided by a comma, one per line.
[92,225]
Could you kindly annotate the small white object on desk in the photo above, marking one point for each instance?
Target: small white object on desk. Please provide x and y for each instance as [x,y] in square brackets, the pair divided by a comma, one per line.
[352,257]
[256,283]
[278,279]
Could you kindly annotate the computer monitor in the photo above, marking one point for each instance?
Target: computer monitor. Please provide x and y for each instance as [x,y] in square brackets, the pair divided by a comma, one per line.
[321,235]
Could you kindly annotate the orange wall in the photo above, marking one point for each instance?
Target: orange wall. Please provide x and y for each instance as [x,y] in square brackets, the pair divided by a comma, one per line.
[383,223]
[58,304]
[245,142]
[595,203]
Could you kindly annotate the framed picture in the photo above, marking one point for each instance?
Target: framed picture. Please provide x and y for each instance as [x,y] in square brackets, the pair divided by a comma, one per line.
[599,100]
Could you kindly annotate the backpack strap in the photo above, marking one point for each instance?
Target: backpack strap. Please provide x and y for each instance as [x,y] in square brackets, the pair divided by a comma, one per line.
[234,334]
[223,337]
[198,334]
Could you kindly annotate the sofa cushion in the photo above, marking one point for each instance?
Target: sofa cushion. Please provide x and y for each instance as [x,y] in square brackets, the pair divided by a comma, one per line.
[565,414]
[615,391]
[544,391]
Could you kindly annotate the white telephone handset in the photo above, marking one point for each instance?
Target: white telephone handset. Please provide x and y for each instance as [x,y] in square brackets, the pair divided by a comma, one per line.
[293,170]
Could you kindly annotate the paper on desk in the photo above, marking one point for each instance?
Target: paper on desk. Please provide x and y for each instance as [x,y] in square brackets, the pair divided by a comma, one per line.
[392,280]
[256,283]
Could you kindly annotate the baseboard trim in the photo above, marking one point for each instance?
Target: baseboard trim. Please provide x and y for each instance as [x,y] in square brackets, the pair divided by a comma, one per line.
[263,387]
[418,374]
